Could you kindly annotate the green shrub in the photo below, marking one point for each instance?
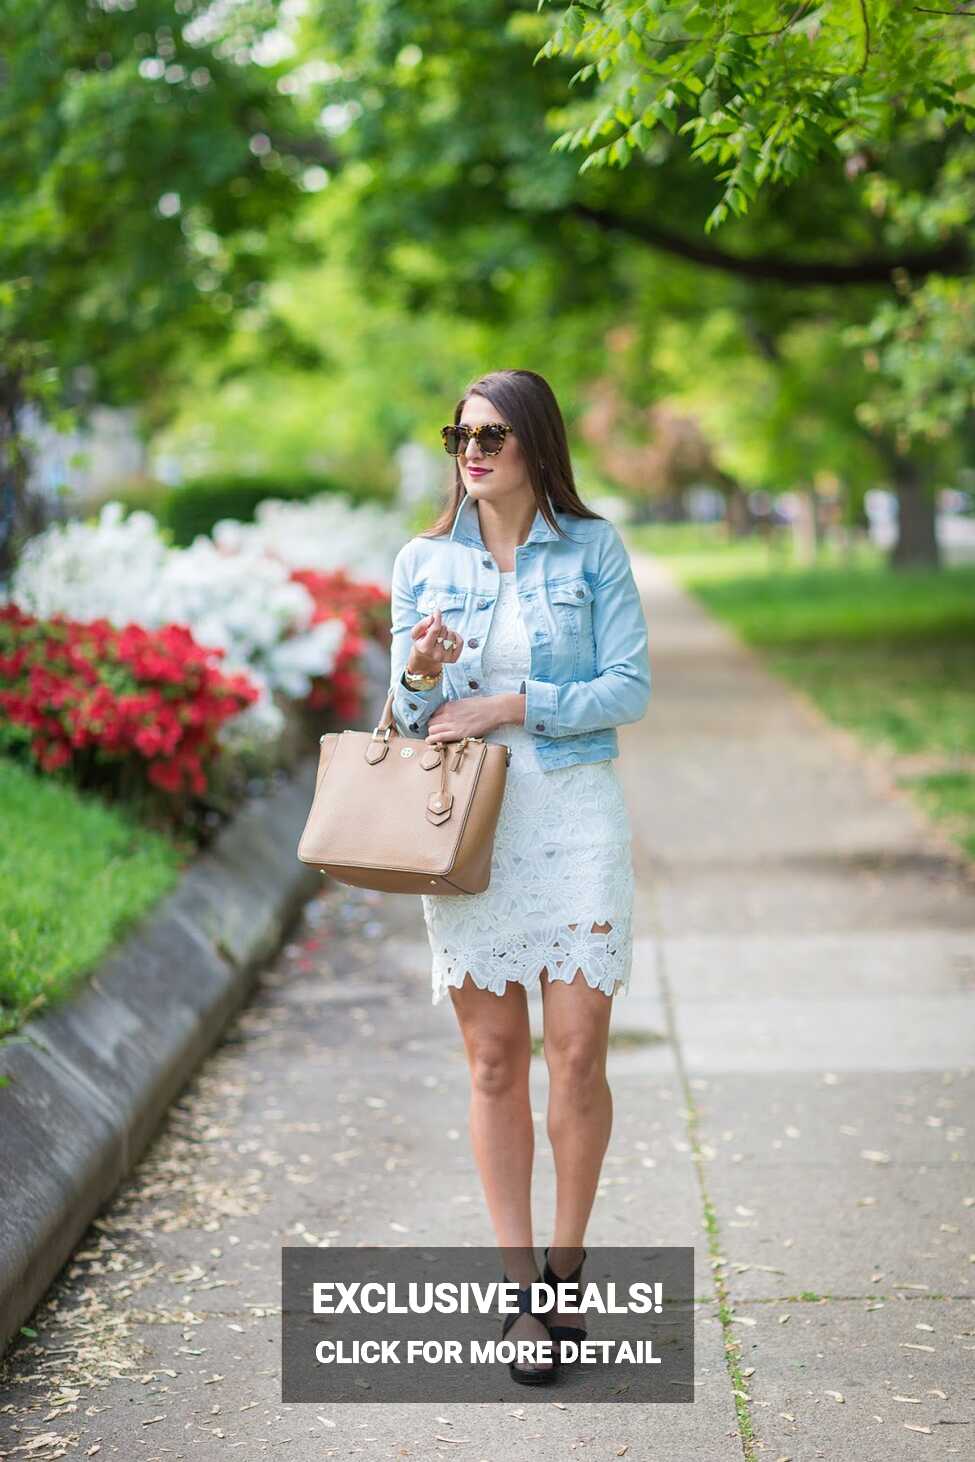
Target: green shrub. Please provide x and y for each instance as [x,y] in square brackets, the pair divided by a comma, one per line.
[195,506]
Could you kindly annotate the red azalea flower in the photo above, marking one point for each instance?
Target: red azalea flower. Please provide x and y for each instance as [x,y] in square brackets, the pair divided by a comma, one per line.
[152,695]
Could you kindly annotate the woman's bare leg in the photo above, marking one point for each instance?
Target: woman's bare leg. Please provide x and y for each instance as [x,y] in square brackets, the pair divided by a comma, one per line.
[580,1109]
[497,1038]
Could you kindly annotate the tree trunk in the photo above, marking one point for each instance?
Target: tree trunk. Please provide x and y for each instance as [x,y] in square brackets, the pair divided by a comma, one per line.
[21,514]
[737,519]
[917,540]
[806,528]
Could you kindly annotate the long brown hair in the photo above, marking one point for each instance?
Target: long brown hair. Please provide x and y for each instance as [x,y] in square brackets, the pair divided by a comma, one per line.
[528,403]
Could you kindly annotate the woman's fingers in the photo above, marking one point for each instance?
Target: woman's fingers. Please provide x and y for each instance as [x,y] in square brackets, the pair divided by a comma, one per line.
[445,632]
[428,631]
[434,631]
[423,626]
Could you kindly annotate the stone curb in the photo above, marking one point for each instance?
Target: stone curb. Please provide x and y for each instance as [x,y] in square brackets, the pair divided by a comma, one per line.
[91,1080]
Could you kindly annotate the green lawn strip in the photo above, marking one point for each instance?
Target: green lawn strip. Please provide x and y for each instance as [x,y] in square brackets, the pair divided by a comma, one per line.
[796,607]
[888,655]
[74,875]
[908,700]
[706,550]
[950,798]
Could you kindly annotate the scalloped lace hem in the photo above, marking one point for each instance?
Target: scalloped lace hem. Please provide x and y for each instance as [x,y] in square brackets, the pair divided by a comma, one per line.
[452,976]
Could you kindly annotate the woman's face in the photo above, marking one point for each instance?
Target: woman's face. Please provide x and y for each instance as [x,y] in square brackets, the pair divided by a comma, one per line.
[501,475]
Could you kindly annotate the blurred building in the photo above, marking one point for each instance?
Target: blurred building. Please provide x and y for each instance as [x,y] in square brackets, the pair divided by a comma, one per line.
[68,468]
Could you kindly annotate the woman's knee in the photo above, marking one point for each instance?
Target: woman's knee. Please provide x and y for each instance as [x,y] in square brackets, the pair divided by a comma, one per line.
[498,1066]
[577,1061]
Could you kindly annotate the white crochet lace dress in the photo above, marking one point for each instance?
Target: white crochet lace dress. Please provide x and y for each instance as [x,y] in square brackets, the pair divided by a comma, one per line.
[562,858]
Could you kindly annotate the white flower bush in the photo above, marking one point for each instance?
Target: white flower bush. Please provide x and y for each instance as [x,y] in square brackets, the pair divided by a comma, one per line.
[91,572]
[232,592]
[326,533]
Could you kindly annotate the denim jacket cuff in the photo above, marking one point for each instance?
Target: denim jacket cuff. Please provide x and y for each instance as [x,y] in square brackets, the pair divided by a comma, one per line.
[412,709]
[541,707]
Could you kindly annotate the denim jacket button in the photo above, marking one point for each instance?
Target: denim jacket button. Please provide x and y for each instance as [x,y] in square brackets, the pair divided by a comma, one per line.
[540,726]
[482,604]
[414,726]
[579,594]
[472,684]
[486,562]
[472,643]
[412,705]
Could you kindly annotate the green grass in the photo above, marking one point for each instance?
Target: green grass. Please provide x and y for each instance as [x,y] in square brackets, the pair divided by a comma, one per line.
[888,655]
[74,875]
[949,797]
[687,540]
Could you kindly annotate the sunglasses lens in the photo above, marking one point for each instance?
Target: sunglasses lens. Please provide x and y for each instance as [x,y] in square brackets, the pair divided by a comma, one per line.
[455,438]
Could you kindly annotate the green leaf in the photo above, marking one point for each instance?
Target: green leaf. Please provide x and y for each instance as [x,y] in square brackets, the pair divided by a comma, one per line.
[574,21]
[595,159]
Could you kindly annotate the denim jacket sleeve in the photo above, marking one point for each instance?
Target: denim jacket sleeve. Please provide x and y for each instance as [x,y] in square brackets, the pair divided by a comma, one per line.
[620,689]
[411,709]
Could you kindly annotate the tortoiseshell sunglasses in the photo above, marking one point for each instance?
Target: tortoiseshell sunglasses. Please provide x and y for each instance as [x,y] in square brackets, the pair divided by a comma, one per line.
[490,438]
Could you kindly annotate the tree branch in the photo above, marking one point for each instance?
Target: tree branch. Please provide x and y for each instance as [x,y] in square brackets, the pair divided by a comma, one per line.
[866,38]
[952,257]
[797,14]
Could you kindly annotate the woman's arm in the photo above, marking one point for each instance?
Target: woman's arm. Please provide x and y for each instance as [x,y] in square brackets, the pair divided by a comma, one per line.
[511,708]
[412,709]
[620,691]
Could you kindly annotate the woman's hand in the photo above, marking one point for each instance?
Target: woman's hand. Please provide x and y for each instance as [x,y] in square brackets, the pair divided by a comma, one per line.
[470,715]
[434,645]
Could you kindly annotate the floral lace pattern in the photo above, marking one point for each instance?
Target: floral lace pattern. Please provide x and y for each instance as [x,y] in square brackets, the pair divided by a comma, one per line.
[562,860]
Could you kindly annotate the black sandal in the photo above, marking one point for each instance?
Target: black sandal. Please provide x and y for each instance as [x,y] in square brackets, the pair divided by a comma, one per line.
[536,1375]
[565,1332]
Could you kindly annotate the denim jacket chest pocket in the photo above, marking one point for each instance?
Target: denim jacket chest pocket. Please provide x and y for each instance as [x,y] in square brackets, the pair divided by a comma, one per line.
[570,605]
[431,595]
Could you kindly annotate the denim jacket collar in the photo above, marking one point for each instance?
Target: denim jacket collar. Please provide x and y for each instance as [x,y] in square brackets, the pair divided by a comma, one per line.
[465,527]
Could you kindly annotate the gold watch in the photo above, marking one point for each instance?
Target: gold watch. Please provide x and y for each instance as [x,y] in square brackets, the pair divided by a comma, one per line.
[415,681]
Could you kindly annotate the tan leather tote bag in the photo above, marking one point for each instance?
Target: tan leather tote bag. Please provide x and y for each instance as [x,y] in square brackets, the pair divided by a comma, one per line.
[403,816]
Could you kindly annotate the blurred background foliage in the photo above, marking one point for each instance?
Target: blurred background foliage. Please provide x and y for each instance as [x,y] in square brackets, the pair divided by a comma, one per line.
[286,233]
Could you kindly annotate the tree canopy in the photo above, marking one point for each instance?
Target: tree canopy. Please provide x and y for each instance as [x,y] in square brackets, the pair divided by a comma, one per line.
[550,171]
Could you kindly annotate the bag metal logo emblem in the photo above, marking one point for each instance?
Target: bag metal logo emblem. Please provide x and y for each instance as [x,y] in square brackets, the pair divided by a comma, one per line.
[407,751]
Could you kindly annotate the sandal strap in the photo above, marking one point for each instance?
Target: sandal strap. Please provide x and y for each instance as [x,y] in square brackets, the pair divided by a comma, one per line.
[550,1276]
[524,1307]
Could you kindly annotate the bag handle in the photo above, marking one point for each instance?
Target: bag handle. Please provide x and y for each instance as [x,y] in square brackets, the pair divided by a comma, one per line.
[386,722]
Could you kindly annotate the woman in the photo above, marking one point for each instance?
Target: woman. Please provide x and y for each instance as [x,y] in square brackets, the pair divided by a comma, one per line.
[516,618]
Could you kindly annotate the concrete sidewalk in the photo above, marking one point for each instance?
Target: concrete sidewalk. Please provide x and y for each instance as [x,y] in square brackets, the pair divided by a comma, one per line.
[792,1079]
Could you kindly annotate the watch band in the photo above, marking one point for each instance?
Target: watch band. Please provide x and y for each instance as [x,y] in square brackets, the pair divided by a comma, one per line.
[415,681]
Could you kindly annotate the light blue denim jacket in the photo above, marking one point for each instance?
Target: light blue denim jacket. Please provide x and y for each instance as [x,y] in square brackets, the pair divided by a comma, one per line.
[589,668]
